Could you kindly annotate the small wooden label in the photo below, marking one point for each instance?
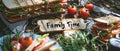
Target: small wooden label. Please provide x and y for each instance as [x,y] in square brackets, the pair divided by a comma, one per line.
[49,25]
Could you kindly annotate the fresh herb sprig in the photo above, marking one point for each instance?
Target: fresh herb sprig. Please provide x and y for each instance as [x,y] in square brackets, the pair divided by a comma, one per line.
[18,34]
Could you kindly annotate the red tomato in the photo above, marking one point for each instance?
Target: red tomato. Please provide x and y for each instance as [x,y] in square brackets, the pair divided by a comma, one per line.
[26,41]
[84,13]
[89,6]
[116,31]
[72,10]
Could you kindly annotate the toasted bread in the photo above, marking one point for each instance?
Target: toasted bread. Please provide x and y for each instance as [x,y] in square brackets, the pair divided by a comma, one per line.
[103,23]
[14,4]
[108,19]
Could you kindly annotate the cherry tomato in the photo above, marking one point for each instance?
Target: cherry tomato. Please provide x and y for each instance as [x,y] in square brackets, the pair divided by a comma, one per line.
[116,31]
[84,13]
[89,6]
[72,10]
[26,41]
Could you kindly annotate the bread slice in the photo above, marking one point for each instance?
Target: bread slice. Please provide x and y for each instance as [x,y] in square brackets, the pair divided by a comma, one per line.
[37,2]
[108,19]
[11,4]
[46,46]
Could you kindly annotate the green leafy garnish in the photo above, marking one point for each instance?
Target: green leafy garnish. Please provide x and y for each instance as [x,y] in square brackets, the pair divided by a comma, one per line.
[18,34]
[112,25]
[55,8]
[81,41]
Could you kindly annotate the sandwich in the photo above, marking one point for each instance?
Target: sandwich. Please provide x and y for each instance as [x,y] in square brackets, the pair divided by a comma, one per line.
[28,8]
[106,27]
[31,43]
[14,4]
[43,46]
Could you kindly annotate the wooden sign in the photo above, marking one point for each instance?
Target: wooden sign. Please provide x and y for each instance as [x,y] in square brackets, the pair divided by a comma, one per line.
[49,25]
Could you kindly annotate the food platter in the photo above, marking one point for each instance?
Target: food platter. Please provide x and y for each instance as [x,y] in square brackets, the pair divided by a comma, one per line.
[34,36]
